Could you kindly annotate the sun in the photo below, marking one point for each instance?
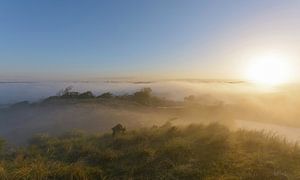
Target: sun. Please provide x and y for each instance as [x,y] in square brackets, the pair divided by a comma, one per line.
[269,69]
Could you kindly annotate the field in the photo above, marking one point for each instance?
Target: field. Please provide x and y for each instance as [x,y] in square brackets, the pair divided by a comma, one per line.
[166,152]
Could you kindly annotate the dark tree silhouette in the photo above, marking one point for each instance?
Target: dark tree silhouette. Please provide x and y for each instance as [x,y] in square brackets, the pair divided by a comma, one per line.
[143,96]
[118,129]
[86,95]
[106,95]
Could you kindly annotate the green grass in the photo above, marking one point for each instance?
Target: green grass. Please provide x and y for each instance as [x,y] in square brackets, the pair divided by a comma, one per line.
[166,152]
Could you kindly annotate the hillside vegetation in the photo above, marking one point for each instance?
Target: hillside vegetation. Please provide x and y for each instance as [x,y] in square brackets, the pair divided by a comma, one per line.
[166,152]
[142,97]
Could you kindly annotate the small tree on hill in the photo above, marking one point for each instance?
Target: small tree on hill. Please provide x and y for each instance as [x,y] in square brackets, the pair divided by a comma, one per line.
[86,95]
[106,95]
[118,129]
[143,96]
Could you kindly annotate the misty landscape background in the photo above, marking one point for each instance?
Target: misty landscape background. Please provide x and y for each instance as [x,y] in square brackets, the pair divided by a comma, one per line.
[236,104]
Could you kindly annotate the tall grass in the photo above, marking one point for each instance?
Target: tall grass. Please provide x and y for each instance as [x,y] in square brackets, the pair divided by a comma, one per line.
[166,152]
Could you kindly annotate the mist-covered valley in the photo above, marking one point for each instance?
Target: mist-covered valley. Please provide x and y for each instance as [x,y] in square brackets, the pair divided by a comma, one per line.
[196,129]
[232,103]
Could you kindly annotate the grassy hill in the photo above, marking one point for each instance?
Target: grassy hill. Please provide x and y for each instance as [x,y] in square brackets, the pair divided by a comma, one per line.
[165,152]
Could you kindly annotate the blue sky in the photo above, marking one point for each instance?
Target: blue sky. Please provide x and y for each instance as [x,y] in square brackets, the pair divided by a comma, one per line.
[134,38]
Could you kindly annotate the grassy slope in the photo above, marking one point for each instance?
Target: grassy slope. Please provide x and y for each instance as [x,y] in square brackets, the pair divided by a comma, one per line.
[166,152]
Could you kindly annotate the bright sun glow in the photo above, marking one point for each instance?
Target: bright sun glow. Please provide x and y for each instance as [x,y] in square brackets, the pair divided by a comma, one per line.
[269,69]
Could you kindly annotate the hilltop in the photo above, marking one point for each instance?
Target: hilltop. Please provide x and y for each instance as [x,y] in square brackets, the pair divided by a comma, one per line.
[165,152]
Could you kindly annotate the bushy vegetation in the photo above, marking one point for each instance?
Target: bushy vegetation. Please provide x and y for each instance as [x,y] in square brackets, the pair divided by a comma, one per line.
[166,152]
[142,97]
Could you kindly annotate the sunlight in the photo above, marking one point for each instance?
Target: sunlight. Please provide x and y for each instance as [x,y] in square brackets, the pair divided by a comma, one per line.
[271,69]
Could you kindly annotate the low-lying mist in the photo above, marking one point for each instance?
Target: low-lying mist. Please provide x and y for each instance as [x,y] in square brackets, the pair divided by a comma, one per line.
[189,102]
[13,92]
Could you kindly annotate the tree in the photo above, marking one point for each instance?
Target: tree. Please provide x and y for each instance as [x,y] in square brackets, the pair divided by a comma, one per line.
[86,95]
[118,129]
[2,144]
[106,95]
[64,91]
[143,96]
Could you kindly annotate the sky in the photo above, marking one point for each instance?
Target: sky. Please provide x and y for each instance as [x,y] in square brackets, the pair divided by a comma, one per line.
[73,39]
